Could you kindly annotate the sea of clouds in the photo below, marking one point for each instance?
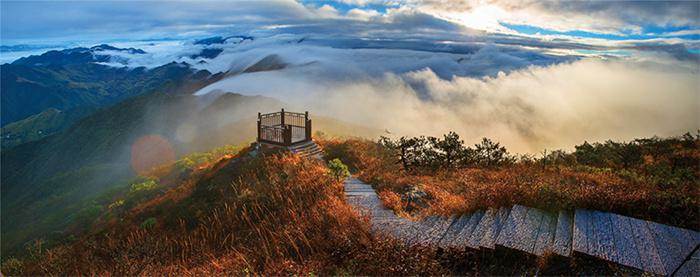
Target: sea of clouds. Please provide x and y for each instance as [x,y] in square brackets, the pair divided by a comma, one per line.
[528,101]
[525,98]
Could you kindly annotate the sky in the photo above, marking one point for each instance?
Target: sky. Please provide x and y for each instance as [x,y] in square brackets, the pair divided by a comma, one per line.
[531,74]
[578,26]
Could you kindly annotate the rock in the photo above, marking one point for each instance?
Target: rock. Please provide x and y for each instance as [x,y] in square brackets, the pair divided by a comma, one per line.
[415,197]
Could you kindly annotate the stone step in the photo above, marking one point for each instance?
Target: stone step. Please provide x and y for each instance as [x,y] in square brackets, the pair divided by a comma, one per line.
[435,235]
[461,241]
[563,234]
[671,245]
[431,234]
[422,229]
[691,267]
[529,230]
[545,234]
[481,228]
[648,246]
[507,236]
[627,253]
[489,239]
[453,230]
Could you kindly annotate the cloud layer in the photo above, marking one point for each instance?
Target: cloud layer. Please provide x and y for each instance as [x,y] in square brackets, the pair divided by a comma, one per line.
[529,109]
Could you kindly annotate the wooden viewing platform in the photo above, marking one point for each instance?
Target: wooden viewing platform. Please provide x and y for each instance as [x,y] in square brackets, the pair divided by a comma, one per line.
[644,245]
[284,128]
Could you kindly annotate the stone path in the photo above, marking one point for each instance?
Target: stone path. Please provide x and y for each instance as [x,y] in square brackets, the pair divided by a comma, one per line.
[640,244]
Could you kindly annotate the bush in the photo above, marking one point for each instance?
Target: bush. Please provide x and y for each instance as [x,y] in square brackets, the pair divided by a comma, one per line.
[148,184]
[338,169]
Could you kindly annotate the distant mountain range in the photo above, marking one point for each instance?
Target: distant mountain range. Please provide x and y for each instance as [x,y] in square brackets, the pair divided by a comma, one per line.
[73,79]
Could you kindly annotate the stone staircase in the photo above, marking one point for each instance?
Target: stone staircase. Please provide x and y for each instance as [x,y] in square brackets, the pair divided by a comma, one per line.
[307,149]
[644,245]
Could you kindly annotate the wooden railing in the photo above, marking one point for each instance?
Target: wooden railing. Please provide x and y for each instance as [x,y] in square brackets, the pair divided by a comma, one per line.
[284,128]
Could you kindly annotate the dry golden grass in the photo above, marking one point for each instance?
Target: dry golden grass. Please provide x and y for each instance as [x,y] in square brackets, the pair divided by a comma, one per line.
[451,191]
[283,215]
[276,215]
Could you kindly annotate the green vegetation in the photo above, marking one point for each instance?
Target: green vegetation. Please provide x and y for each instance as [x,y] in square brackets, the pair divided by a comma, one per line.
[418,153]
[193,160]
[338,170]
[40,125]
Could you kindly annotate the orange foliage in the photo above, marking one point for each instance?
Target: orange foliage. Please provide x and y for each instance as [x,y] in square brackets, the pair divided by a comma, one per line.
[451,191]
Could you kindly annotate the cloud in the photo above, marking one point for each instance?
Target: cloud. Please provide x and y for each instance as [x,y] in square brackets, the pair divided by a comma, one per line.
[88,23]
[81,19]
[529,109]
[595,16]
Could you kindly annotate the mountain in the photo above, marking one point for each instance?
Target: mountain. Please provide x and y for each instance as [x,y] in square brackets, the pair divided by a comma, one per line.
[41,125]
[79,55]
[73,78]
[208,53]
[222,40]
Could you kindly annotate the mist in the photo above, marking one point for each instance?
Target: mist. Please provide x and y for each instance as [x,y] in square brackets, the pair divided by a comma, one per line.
[528,110]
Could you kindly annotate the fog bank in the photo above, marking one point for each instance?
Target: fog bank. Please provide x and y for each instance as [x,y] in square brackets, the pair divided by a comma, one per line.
[528,110]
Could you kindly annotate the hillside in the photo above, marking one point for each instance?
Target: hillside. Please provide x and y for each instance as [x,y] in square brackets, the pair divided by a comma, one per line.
[245,213]
[240,211]
[40,125]
[281,215]
[47,183]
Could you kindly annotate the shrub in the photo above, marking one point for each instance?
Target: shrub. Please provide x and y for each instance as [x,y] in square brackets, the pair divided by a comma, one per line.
[116,204]
[148,184]
[338,169]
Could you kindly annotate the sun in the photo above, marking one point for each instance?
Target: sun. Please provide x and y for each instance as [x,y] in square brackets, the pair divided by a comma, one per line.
[484,18]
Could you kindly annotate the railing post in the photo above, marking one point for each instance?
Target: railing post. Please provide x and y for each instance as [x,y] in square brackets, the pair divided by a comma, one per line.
[287,135]
[282,119]
[308,130]
[259,123]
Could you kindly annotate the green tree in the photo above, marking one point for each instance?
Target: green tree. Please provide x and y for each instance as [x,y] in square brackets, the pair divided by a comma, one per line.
[451,148]
[490,154]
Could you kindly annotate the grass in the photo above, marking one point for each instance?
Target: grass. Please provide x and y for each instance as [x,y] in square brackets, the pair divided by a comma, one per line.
[650,191]
[283,215]
[274,215]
